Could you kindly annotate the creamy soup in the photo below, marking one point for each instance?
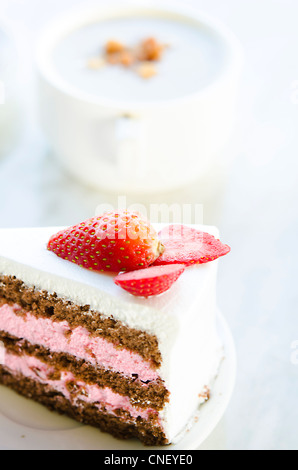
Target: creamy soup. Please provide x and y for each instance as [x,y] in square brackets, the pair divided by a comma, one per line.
[192,60]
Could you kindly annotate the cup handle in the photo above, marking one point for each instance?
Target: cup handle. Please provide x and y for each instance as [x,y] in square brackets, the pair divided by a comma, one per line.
[130,155]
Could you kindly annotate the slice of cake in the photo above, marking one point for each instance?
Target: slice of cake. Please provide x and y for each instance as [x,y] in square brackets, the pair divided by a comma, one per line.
[77,342]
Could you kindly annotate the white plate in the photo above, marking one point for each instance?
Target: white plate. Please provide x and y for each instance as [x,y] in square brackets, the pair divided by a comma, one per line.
[26,425]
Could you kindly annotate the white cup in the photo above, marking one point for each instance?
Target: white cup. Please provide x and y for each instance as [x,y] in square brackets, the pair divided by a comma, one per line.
[138,146]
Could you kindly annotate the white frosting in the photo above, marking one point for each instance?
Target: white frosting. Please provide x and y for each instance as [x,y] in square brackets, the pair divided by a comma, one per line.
[183,319]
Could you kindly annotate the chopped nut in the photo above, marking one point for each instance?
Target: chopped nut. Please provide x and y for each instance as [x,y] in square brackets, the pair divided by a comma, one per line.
[150,49]
[127,58]
[114,58]
[113,47]
[144,53]
[96,63]
[146,70]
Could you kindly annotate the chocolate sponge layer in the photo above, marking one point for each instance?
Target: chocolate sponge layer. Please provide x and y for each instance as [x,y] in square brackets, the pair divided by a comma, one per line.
[121,426]
[44,304]
[153,395]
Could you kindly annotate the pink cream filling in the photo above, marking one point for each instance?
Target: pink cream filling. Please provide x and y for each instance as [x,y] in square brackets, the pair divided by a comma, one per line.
[33,368]
[58,337]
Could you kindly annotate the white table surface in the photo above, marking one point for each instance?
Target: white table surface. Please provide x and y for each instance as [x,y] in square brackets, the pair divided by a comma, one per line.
[255,209]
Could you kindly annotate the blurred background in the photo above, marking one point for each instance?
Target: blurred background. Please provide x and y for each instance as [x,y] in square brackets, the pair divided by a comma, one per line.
[253,201]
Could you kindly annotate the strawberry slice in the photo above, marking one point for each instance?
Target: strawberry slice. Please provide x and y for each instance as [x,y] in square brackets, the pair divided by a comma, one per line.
[115,242]
[151,281]
[188,246]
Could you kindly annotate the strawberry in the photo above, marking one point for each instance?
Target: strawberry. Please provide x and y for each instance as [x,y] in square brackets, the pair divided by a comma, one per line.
[151,281]
[115,241]
[188,246]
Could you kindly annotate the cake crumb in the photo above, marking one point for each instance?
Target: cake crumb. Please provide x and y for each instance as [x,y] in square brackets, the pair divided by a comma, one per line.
[205,394]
